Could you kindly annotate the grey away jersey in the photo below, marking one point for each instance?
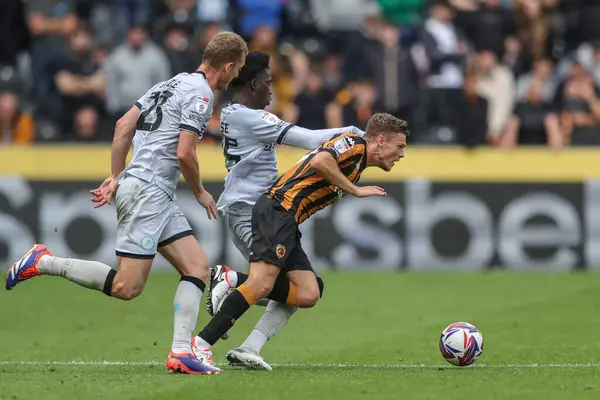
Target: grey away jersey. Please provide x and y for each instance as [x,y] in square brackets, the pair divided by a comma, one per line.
[249,137]
[184,102]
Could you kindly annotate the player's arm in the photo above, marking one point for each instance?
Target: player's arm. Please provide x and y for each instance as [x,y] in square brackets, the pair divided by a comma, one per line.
[311,139]
[326,162]
[327,166]
[188,161]
[190,168]
[268,128]
[124,130]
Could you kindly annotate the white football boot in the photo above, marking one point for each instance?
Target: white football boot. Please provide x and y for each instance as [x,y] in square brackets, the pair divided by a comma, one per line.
[244,357]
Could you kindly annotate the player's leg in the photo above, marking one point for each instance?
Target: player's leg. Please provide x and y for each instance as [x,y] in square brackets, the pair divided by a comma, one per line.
[178,245]
[135,250]
[270,224]
[260,281]
[89,274]
[303,278]
[303,288]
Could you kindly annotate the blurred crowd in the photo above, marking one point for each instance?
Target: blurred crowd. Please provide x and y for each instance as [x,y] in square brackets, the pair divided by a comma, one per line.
[469,72]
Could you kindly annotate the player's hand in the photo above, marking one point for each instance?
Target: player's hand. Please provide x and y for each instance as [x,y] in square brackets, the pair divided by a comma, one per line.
[208,202]
[105,192]
[368,191]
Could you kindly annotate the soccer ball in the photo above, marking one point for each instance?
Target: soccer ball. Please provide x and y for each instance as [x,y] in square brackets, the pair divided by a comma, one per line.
[461,344]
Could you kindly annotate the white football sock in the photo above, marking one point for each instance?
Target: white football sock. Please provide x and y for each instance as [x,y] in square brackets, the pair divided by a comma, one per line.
[89,274]
[186,307]
[201,343]
[273,319]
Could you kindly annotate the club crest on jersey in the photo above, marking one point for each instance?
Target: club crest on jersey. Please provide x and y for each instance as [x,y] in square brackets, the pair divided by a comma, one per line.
[342,145]
[280,251]
[202,104]
[270,118]
[340,192]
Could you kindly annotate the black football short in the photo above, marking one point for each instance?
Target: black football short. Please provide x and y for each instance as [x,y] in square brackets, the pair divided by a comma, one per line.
[276,237]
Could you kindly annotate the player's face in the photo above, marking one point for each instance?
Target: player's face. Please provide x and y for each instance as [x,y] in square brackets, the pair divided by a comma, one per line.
[230,71]
[390,150]
[263,90]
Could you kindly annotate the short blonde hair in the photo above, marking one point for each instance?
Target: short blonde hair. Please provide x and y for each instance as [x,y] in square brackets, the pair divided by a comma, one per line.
[223,48]
[384,124]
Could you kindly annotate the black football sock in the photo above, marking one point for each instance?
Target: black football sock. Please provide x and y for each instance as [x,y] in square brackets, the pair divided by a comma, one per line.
[234,306]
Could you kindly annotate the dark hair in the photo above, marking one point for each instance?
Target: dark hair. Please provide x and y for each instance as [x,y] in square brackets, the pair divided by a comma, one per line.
[256,62]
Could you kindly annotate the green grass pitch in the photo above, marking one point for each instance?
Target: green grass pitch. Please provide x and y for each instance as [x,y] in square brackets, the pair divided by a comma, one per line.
[372,336]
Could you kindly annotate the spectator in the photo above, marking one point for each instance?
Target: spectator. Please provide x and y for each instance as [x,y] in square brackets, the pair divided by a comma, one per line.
[132,69]
[181,56]
[14,36]
[353,105]
[208,32]
[392,71]
[496,83]
[16,126]
[446,53]
[209,11]
[88,128]
[471,114]
[308,108]
[264,39]
[543,74]
[588,55]
[580,112]
[402,13]
[79,80]
[355,64]
[534,18]
[489,26]
[340,16]
[50,22]
[532,121]
[128,13]
[332,72]
[284,87]
[181,14]
[259,13]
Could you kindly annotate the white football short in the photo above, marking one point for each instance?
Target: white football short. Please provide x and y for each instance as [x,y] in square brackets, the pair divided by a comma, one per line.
[147,217]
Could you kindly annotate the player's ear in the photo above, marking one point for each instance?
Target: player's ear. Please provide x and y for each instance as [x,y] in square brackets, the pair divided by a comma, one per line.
[253,84]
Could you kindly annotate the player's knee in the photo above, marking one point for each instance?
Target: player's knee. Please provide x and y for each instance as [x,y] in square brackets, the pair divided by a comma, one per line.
[199,272]
[308,298]
[126,290]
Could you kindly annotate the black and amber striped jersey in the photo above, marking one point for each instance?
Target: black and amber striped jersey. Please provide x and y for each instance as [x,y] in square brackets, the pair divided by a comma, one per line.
[303,192]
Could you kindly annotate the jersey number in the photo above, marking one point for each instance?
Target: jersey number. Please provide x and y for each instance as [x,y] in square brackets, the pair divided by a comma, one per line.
[227,144]
[158,100]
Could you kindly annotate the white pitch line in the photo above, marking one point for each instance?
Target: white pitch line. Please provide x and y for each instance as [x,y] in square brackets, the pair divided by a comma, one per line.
[311,365]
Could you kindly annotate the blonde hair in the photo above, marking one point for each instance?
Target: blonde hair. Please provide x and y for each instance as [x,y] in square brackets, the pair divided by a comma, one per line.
[384,124]
[223,48]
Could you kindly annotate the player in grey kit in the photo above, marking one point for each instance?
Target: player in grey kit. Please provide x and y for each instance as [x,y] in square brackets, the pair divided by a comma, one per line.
[167,122]
[249,135]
